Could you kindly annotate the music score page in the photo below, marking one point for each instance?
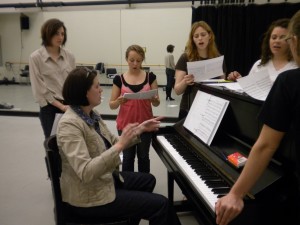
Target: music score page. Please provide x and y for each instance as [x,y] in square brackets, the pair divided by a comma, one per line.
[206,69]
[205,116]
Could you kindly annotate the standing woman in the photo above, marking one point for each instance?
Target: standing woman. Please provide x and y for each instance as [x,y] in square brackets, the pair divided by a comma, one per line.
[131,111]
[170,71]
[279,115]
[276,56]
[200,46]
[49,66]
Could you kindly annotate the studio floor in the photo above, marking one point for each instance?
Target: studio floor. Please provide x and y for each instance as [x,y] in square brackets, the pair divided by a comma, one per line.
[25,191]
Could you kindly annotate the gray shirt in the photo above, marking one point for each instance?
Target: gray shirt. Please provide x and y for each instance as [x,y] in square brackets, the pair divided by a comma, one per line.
[48,76]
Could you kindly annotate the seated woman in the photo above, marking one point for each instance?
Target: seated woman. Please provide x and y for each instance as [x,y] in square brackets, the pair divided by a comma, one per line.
[275,53]
[90,183]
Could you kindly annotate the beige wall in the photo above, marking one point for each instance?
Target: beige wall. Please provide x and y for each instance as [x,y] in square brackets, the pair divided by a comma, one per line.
[100,35]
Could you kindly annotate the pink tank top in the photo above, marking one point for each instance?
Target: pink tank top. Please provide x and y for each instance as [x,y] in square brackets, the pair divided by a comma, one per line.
[134,110]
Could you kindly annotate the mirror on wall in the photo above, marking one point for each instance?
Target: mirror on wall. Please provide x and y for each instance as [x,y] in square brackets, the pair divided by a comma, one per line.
[93,36]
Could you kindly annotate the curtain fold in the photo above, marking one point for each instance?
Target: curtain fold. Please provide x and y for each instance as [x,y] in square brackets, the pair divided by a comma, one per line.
[239,29]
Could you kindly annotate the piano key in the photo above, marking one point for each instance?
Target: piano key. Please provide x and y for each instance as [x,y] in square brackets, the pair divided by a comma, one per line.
[198,183]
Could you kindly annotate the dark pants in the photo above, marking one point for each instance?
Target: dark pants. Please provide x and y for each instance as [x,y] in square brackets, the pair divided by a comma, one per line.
[47,116]
[141,150]
[170,81]
[135,200]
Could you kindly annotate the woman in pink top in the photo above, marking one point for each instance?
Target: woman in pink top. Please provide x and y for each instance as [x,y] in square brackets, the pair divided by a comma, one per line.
[132,110]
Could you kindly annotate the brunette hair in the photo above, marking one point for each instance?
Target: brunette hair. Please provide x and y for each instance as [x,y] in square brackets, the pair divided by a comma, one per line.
[266,53]
[170,48]
[49,29]
[191,48]
[75,88]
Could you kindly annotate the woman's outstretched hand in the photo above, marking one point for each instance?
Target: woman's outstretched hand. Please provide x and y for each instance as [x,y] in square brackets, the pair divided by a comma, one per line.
[150,125]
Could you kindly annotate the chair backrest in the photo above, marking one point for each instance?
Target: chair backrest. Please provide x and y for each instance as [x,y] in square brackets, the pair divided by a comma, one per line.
[146,69]
[63,214]
[26,67]
[111,73]
[54,163]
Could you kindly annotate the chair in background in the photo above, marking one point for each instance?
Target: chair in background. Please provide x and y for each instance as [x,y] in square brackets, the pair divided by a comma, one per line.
[62,212]
[146,69]
[111,73]
[25,74]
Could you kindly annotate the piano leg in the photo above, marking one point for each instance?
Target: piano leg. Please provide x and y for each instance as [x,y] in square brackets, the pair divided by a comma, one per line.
[180,206]
[170,187]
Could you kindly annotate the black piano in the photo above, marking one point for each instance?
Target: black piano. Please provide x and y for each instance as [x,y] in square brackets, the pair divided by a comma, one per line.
[203,173]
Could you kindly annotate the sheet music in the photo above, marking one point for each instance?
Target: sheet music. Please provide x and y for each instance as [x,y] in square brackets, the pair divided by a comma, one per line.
[257,85]
[141,95]
[206,69]
[205,116]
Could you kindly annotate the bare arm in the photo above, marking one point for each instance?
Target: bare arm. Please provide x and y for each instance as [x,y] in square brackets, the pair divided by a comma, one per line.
[115,99]
[182,80]
[155,100]
[228,207]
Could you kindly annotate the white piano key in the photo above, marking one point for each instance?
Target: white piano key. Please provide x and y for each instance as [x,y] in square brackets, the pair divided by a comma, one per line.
[199,184]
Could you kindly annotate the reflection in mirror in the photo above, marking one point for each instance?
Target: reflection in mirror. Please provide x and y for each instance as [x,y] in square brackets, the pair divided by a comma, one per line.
[94,36]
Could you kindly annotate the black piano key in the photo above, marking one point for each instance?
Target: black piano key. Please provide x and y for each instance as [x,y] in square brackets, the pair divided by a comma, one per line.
[198,164]
[220,190]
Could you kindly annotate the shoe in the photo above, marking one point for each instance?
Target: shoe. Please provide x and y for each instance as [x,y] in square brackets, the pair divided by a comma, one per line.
[171,99]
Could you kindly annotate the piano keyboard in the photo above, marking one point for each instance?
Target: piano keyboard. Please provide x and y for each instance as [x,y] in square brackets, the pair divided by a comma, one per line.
[208,184]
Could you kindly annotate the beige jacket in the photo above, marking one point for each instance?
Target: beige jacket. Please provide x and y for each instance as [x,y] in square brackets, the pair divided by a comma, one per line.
[86,178]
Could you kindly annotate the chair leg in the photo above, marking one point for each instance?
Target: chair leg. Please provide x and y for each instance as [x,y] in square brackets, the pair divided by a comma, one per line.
[48,169]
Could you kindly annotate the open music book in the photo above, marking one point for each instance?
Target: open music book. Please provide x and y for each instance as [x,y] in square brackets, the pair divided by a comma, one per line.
[205,116]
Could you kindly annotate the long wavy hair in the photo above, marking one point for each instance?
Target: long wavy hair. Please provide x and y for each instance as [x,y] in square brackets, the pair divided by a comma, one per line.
[191,48]
[266,53]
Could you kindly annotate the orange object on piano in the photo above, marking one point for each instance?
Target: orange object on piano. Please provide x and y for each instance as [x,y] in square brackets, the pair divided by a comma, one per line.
[237,159]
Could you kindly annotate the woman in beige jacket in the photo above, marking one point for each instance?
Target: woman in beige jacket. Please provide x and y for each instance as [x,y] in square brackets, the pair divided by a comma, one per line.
[90,156]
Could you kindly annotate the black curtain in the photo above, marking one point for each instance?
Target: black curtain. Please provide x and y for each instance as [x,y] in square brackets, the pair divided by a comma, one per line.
[239,29]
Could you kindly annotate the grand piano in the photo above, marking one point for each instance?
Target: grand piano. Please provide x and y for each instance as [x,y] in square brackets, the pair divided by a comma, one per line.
[203,173]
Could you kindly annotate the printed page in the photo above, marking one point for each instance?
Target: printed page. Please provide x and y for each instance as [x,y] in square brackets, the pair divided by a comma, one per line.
[141,95]
[257,85]
[206,69]
[205,116]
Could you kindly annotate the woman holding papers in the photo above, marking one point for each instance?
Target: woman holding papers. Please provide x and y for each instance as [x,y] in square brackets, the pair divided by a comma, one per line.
[200,46]
[135,80]
[90,154]
[279,115]
[275,54]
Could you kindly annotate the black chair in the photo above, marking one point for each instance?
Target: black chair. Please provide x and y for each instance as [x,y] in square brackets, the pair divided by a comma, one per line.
[146,69]
[63,212]
[111,73]
[25,73]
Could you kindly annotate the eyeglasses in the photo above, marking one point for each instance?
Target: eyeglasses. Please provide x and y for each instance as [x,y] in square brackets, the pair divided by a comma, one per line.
[88,72]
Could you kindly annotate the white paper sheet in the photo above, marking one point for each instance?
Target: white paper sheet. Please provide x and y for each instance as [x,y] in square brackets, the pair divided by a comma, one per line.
[257,85]
[141,95]
[205,116]
[206,69]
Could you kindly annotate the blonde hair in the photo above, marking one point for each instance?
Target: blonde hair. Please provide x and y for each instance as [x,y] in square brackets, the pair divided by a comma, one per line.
[138,49]
[191,48]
